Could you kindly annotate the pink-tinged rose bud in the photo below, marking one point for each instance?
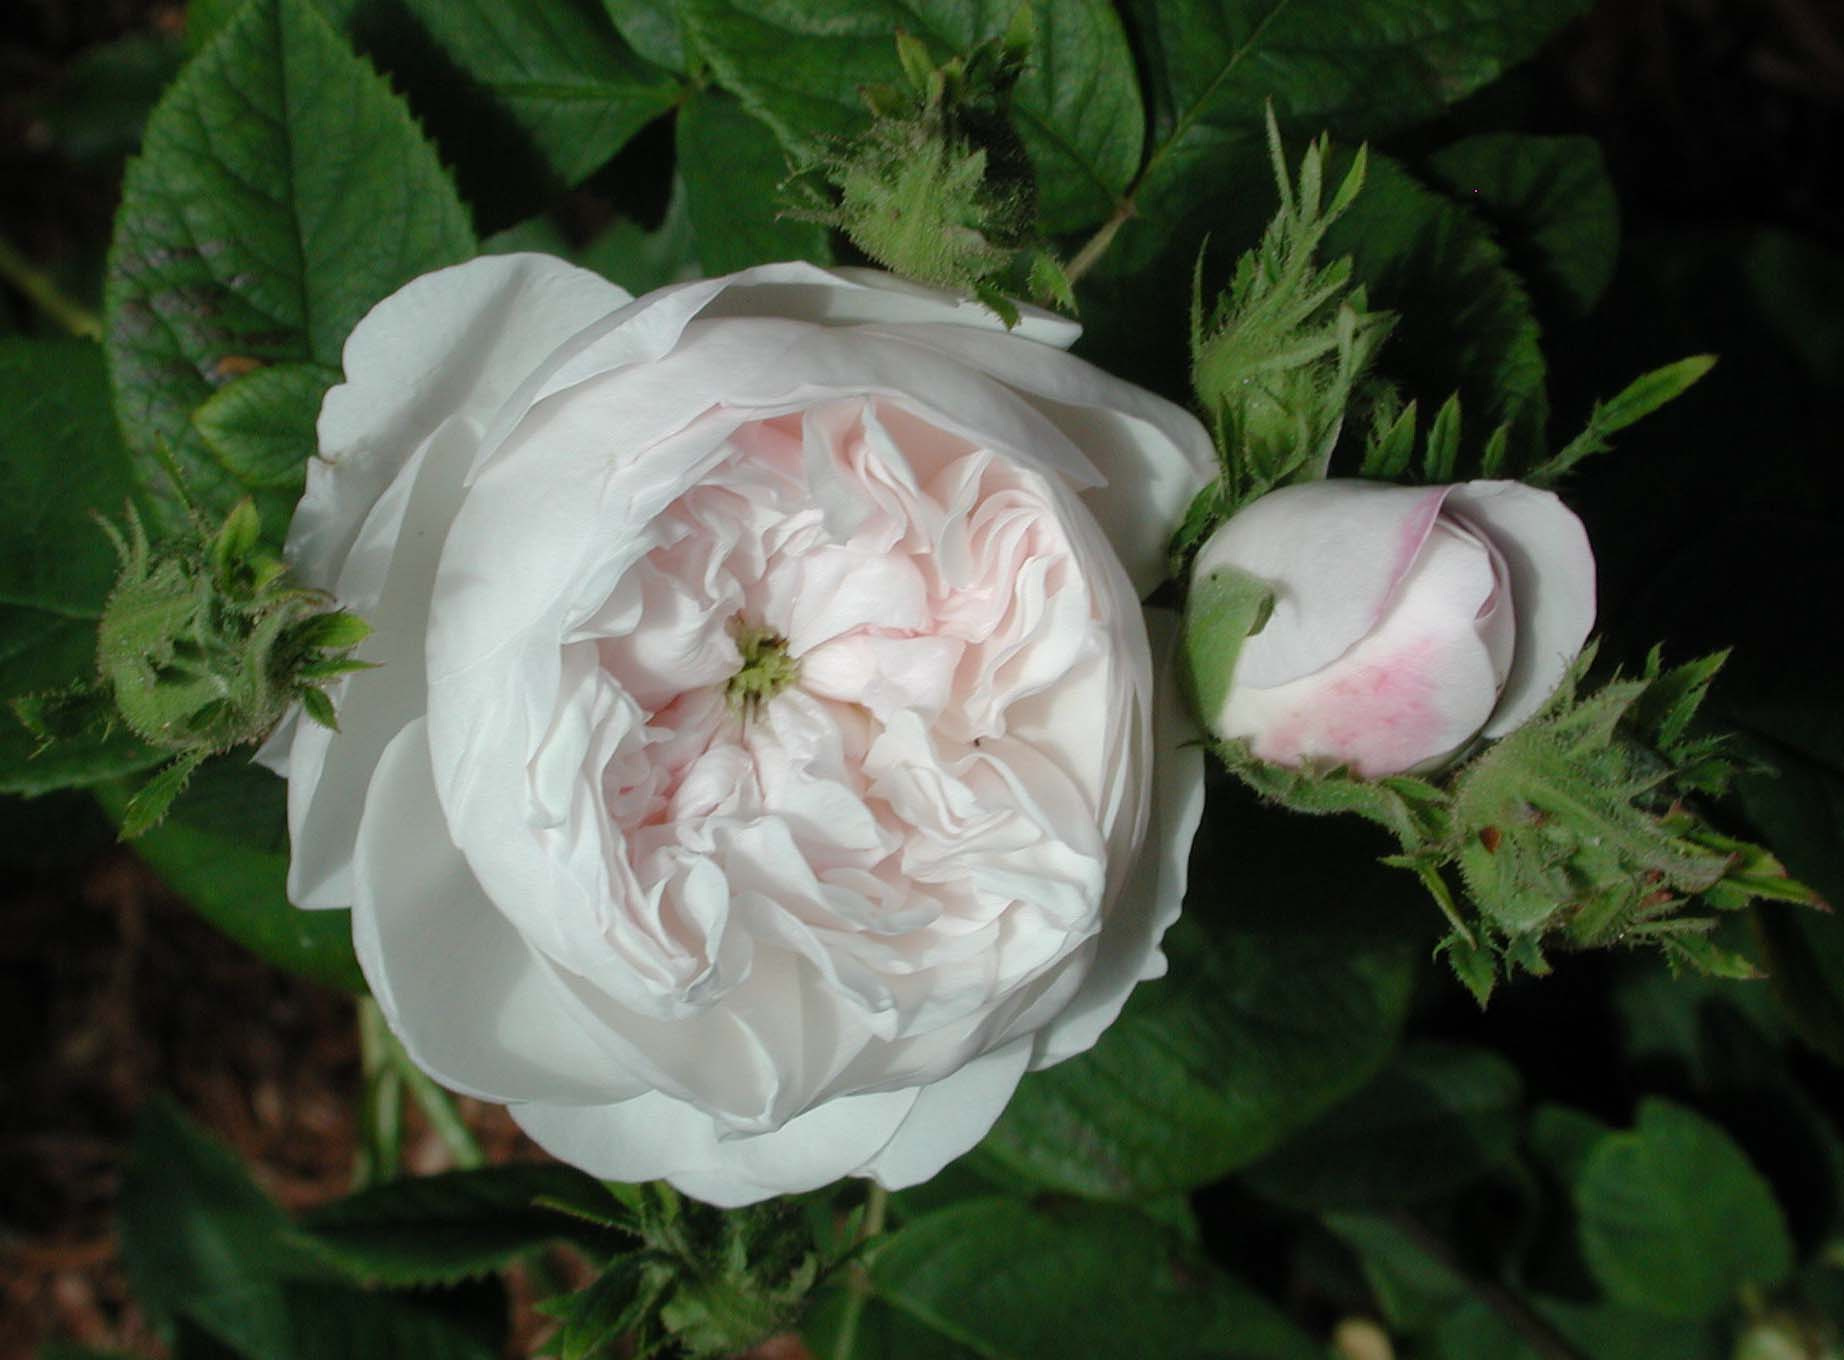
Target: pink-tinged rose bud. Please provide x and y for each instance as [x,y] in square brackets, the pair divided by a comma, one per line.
[1406,621]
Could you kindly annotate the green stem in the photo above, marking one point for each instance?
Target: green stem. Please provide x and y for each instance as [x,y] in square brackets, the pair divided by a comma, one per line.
[858,1284]
[1097,245]
[381,1114]
[44,294]
[438,1108]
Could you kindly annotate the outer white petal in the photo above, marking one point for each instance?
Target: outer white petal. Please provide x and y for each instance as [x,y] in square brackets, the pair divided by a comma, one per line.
[1413,691]
[1154,456]
[1150,900]
[459,986]
[1334,552]
[654,1137]
[389,575]
[455,342]
[650,328]
[1552,587]
[950,1117]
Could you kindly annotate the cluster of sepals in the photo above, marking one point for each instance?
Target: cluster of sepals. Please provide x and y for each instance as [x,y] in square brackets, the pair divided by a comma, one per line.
[1582,828]
[205,644]
[939,187]
[691,1280]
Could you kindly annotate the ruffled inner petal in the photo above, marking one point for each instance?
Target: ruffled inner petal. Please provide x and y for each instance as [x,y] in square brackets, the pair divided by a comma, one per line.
[869,876]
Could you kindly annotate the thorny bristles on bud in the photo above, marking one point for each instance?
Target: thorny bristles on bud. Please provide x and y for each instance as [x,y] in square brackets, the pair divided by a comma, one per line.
[940,188]
[1276,362]
[204,644]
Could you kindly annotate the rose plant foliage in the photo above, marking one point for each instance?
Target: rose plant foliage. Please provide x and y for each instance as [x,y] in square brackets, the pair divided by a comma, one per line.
[746,943]
[746,683]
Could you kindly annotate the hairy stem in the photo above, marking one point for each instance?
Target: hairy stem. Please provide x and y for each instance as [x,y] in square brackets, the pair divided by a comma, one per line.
[1097,245]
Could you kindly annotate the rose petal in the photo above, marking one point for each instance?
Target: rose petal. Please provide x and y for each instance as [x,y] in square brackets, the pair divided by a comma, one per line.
[1411,693]
[1147,904]
[455,342]
[1552,584]
[1153,456]
[1334,553]
[389,574]
[949,1117]
[464,992]
[654,1137]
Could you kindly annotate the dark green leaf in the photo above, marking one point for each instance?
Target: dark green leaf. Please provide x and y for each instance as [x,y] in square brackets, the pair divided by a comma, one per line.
[1674,1219]
[1076,106]
[1800,810]
[559,68]
[1562,1139]
[1435,1119]
[651,28]
[1601,1331]
[641,260]
[1551,202]
[732,169]
[441,1229]
[1465,321]
[282,190]
[225,848]
[1412,1287]
[60,459]
[1011,1282]
[203,1245]
[260,427]
[1291,1004]
[1357,67]
[196,1231]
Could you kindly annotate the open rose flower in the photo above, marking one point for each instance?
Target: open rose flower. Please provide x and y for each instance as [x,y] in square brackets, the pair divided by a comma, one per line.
[763,771]
[1407,620]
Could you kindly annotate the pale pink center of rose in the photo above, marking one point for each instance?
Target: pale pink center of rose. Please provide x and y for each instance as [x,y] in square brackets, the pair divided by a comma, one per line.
[877,816]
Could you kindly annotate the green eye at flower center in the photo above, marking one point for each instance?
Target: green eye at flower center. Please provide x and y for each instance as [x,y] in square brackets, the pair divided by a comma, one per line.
[767,669]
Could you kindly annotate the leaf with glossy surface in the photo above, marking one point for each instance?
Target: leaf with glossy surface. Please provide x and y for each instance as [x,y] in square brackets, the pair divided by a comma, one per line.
[282,190]
[1012,1282]
[60,460]
[1077,105]
[1436,1118]
[1674,1219]
[559,69]
[732,169]
[224,848]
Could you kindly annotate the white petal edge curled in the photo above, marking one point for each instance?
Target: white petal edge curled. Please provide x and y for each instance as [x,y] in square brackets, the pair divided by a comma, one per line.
[1552,571]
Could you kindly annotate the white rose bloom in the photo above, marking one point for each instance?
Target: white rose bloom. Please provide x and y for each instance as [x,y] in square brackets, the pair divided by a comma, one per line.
[745,934]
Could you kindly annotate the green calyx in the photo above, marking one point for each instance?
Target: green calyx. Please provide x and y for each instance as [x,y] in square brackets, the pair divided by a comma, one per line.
[1579,830]
[1277,360]
[204,644]
[701,1282]
[767,669]
[940,188]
